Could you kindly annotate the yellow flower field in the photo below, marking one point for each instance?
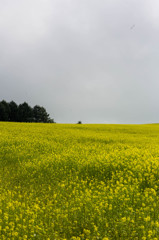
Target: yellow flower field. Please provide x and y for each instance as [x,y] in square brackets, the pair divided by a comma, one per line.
[78,182]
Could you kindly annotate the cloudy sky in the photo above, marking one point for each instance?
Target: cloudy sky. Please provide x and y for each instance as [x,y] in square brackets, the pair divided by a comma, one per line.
[91,60]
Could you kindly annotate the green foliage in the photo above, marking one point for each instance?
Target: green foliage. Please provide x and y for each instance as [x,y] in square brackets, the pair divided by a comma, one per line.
[4,111]
[40,114]
[3,115]
[23,113]
[13,117]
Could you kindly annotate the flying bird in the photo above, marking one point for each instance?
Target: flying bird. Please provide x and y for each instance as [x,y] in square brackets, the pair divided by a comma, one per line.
[132,26]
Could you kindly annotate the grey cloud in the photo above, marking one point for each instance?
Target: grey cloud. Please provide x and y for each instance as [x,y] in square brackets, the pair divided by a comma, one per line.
[81,59]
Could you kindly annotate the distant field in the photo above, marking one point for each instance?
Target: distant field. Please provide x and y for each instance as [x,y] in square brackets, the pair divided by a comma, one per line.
[63,181]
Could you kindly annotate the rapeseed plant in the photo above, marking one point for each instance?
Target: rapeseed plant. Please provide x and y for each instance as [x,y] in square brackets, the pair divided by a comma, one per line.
[60,181]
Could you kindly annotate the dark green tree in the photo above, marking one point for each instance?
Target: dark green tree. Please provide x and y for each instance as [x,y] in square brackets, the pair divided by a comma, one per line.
[25,113]
[13,111]
[5,111]
[2,112]
[40,114]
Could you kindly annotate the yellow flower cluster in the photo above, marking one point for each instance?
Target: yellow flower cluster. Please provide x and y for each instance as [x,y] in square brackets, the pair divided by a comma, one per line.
[79,182]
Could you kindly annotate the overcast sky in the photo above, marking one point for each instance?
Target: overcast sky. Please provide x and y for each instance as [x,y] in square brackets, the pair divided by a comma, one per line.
[91,60]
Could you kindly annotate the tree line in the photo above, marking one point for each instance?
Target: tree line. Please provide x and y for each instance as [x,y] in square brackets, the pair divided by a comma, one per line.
[23,113]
